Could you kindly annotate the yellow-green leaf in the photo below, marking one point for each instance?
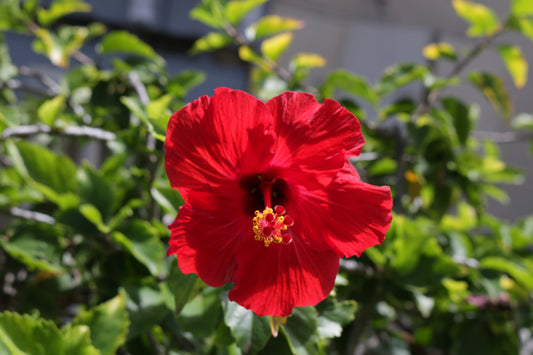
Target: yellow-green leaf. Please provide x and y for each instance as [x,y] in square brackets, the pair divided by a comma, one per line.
[125,42]
[59,9]
[308,60]
[521,7]
[236,10]
[272,24]
[516,64]
[439,50]
[210,42]
[494,90]
[50,109]
[525,26]
[274,47]
[483,21]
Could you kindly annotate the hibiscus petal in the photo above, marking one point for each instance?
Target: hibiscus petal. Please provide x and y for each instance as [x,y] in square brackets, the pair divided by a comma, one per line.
[206,232]
[216,139]
[309,132]
[274,280]
[350,216]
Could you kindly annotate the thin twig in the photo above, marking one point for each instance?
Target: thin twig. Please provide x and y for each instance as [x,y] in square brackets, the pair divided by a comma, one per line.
[77,131]
[15,84]
[41,77]
[31,215]
[504,137]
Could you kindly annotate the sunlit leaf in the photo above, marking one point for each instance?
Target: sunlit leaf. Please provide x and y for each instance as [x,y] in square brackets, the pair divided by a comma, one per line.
[483,21]
[494,90]
[399,75]
[142,240]
[522,121]
[521,7]
[108,323]
[22,334]
[516,64]
[273,47]
[50,109]
[334,316]
[210,42]
[308,60]
[439,50]
[209,12]
[251,332]
[272,24]
[125,42]
[519,270]
[350,83]
[236,10]
[59,9]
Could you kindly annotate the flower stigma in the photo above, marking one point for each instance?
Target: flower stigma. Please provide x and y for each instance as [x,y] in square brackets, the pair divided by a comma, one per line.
[271,226]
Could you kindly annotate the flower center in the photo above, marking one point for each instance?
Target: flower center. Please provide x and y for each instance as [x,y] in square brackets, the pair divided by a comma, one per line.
[272,226]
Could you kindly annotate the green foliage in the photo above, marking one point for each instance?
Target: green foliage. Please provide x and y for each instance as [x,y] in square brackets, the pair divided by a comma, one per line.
[82,253]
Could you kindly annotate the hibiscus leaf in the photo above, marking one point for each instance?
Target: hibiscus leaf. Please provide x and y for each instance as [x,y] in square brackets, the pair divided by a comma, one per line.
[274,47]
[236,10]
[59,9]
[50,109]
[520,270]
[333,316]
[142,240]
[184,287]
[494,90]
[397,76]
[271,25]
[351,83]
[51,174]
[521,7]
[125,42]
[146,306]
[515,63]
[23,334]
[483,21]
[462,118]
[301,331]
[108,323]
[211,42]
[37,246]
[435,51]
[251,332]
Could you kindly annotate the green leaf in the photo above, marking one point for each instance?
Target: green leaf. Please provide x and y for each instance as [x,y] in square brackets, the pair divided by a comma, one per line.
[184,287]
[58,9]
[516,64]
[54,175]
[146,307]
[12,18]
[399,75]
[334,316]
[494,90]
[522,121]
[37,246]
[168,198]
[461,116]
[158,113]
[351,83]
[50,109]
[519,270]
[483,21]
[97,190]
[521,7]
[211,42]
[271,25]
[125,42]
[94,216]
[185,81]
[142,240]
[301,331]
[251,332]
[272,48]
[108,323]
[24,335]
[209,12]
[307,60]
[435,51]
[524,26]
[236,10]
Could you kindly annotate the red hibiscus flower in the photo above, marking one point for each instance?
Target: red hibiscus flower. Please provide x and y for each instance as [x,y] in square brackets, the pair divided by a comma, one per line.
[271,201]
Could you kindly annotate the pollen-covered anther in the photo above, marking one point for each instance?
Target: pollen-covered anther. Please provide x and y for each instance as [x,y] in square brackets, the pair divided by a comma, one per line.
[272,226]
